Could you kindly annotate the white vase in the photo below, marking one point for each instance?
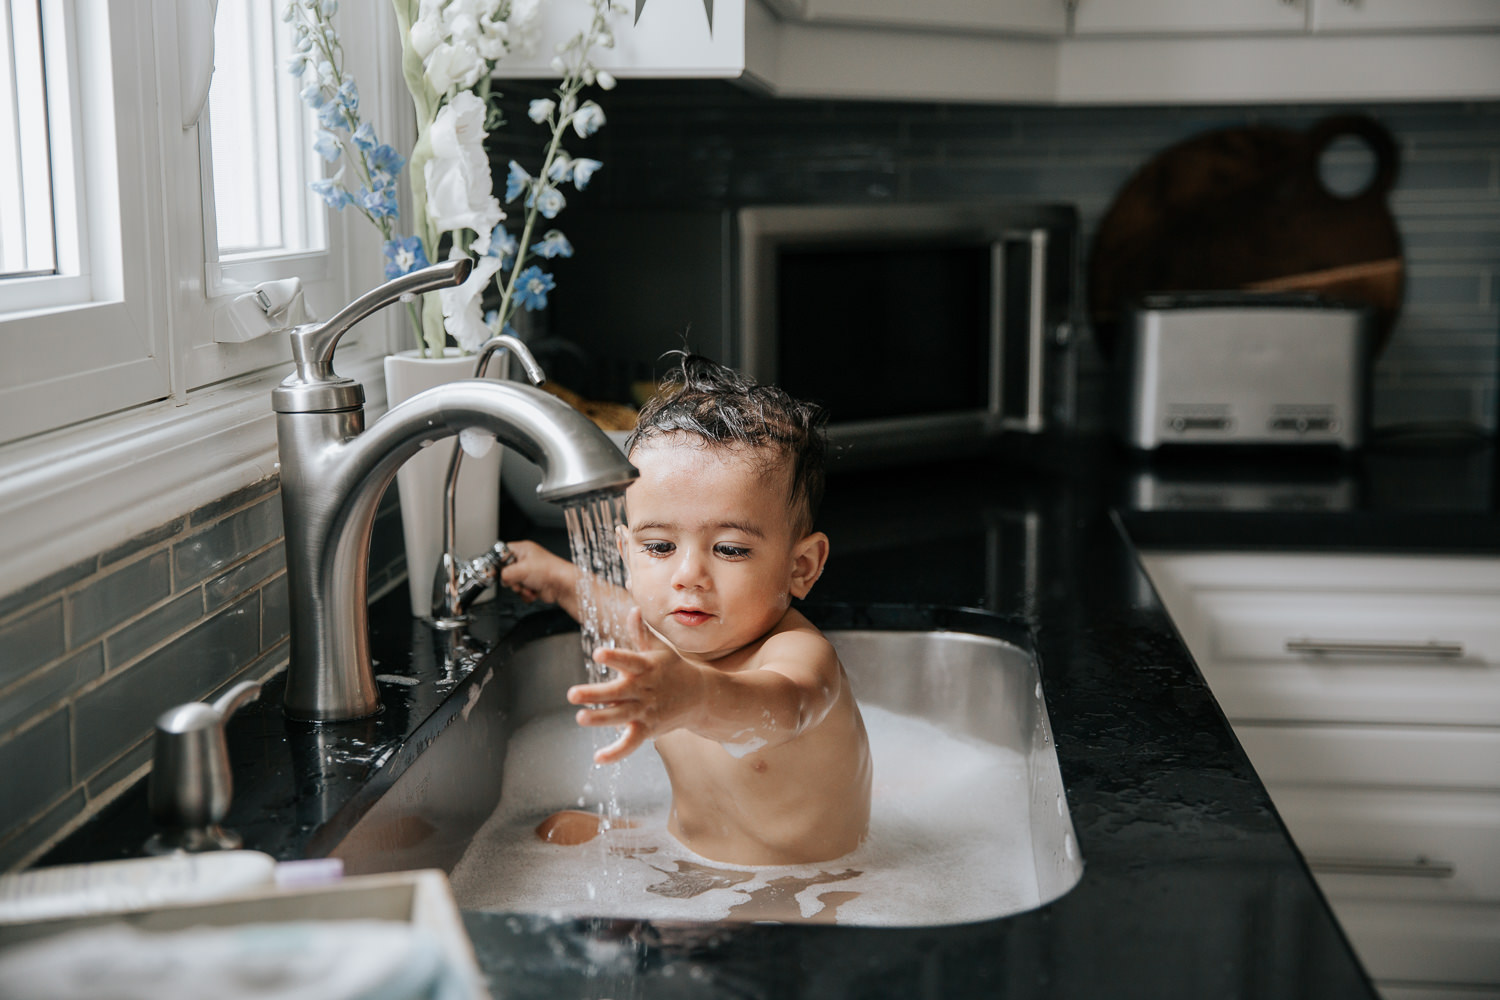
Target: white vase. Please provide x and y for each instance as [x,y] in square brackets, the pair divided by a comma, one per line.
[421,481]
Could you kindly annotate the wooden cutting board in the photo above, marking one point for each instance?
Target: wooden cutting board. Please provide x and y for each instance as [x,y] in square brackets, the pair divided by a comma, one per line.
[1244,208]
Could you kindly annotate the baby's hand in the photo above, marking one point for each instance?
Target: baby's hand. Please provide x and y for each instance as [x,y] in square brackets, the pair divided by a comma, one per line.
[538,575]
[655,692]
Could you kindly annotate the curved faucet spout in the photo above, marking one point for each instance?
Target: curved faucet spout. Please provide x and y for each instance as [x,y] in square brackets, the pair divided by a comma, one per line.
[333,475]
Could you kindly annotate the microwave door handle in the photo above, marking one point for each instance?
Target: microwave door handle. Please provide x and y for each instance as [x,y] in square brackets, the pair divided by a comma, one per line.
[1036,332]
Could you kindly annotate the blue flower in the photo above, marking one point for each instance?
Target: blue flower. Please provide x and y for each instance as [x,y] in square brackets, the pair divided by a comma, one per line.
[549,201]
[328,189]
[540,109]
[502,245]
[562,167]
[349,95]
[403,255]
[552,244]
[312,95]
[327,146]
[385,162]
[364,137]
[583,170]
[588,119]
[380,203]
[532,286]
[516,182]
[331,116]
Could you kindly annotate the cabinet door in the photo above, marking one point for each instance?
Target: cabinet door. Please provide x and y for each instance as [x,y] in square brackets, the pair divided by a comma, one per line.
[1030,16]
[1416,943]
[1397,843]
[1391,15]
[1171,17]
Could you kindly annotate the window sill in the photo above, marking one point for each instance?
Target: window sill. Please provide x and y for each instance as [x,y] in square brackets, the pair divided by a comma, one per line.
[71,494]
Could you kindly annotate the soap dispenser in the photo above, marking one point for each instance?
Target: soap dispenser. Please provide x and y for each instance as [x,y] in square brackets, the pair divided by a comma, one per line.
[190,785]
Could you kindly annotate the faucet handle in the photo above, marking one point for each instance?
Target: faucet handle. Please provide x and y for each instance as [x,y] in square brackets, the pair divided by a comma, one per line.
[314,387]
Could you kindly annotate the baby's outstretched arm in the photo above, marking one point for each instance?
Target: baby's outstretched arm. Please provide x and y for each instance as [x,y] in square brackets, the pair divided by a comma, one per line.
[657,691]
[538,575]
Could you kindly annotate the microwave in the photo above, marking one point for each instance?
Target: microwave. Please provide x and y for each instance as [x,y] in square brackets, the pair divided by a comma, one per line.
[926,330]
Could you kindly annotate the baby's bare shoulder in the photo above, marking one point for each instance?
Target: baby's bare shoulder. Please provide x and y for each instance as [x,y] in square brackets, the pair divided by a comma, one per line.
[797,643]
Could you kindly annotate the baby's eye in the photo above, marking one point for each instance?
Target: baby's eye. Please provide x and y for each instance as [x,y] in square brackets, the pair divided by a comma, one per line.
[658,548]
[729,551]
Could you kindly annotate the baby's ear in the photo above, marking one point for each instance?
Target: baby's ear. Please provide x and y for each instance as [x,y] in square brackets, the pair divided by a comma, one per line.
[808,558]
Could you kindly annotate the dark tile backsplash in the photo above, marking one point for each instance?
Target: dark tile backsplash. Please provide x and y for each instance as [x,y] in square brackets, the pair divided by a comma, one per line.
[93,653]
[706,144]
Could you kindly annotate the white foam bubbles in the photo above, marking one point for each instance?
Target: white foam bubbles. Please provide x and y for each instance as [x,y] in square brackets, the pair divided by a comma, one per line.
[950,838]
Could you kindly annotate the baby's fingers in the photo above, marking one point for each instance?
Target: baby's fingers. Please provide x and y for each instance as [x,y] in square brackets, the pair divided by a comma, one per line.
[629,742]
[624,660]
[618,714]
[605,692]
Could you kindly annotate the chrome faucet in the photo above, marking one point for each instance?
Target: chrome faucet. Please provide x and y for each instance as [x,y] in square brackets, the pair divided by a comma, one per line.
[334,471]
[458,582]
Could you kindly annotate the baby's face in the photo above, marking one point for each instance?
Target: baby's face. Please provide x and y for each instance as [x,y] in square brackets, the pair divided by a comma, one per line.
[709,545]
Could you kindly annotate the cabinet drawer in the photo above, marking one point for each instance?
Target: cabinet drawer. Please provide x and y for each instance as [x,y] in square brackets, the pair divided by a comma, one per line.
[1384,756]
[1396,844]
[1353,657]
[1414,942]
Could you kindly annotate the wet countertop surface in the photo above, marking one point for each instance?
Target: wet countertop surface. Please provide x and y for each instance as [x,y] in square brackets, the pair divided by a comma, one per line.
[1191,887]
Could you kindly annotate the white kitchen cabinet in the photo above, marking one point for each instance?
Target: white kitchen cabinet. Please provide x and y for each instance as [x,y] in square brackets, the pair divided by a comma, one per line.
[654,39]
[1404,15]
[1039,16]
[1063,52]
[1366,692]
[1175,17]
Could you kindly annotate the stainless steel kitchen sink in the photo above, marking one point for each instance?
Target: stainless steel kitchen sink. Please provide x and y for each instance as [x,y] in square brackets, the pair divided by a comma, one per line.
[952,697]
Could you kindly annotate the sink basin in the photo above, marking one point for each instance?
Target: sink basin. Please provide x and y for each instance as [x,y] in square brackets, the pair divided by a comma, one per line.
[969,820]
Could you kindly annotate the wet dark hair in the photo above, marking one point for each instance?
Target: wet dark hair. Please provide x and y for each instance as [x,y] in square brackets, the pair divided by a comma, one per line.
[726,409]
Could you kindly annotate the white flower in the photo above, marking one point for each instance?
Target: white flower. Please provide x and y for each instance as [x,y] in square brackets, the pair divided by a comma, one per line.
[461,306]
[588,119]
[459,193]
[426,35]
[453,66]
[606,81]
[541,109]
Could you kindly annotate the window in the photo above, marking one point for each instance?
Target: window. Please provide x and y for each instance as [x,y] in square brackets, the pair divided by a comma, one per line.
[102,306]
[126,394]
[261,155]
[27,241]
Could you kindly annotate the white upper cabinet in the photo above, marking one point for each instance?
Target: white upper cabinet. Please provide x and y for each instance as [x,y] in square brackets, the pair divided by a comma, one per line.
[1066,51]
[1032,16]
[1397,15]
[1177,17]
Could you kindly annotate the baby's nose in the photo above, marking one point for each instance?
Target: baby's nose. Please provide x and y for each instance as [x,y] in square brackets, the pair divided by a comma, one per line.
[691,572]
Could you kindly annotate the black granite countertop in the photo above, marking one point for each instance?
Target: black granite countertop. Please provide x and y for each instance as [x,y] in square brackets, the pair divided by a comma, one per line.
[1191,886]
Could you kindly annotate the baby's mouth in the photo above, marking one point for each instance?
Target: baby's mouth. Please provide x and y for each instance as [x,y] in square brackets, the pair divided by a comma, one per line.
[690,616]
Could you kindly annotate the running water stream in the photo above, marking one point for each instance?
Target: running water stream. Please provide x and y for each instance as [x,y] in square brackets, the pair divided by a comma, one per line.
[594,524]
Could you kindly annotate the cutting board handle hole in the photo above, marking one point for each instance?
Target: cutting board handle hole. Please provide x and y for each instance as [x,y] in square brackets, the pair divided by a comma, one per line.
[1347,167]
[1355,157]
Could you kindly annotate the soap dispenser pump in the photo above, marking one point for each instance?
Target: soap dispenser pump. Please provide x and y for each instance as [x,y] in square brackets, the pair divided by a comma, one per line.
[190,785]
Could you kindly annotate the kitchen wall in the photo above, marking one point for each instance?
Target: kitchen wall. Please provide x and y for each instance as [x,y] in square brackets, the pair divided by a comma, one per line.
[712,144]
[93,653]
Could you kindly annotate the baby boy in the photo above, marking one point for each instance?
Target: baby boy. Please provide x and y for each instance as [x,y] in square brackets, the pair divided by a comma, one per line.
[746,700]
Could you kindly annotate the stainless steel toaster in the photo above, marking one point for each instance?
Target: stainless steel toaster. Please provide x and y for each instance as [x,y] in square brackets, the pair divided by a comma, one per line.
[1244,368]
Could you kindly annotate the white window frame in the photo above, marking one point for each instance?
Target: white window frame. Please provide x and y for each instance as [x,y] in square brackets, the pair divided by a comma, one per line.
[139,416]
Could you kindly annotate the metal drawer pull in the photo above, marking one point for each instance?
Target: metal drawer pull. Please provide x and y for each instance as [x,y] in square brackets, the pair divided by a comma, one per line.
[1433,648]
[1420,868]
